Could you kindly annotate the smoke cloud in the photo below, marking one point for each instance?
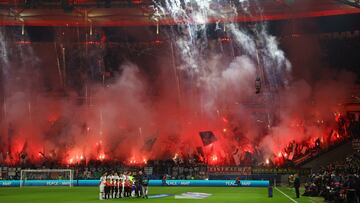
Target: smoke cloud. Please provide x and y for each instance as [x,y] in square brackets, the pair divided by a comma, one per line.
[138,117]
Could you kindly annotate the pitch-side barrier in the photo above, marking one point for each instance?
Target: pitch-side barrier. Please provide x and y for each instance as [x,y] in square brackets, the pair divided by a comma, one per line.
[202,183]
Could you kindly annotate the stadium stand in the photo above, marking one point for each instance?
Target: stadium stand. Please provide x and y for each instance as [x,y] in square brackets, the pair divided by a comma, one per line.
[338,181]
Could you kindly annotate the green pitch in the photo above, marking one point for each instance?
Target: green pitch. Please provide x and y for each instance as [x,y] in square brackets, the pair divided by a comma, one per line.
[90,194]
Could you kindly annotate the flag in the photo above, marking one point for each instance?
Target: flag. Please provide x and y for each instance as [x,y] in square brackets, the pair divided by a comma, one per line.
[303,151]
[149,143]
[292,153]
[237,156]
[200,151]
[207,137]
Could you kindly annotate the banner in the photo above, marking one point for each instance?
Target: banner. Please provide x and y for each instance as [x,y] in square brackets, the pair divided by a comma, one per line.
[356,144]
[303,171]
[16,183]
[9,183]
[204,183]
[229,170]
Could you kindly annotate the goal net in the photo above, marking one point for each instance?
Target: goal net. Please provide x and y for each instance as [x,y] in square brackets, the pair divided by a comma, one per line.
[49,177]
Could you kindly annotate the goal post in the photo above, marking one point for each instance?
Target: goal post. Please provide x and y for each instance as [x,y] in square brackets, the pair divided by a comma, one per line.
[52,177]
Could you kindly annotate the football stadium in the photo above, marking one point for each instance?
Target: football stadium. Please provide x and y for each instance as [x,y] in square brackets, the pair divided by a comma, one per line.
[180,101]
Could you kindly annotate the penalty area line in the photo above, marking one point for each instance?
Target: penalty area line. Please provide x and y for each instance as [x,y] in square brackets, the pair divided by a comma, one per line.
[286,195]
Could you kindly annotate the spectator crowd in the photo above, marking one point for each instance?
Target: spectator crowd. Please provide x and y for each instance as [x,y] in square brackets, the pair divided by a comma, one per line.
[338,182]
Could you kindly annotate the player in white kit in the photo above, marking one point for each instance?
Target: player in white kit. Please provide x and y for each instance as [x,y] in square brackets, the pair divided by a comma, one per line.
[122,184]
[102,186]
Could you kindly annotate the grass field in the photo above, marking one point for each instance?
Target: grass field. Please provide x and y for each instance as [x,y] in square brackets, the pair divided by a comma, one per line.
[90,194]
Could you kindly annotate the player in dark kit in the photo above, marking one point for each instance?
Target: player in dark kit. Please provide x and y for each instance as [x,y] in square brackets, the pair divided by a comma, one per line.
[138,184]
[115,186]
[164,180]
[128,185]
[112,187]
[107,188]
[237,181]
[297,185]
[145,186]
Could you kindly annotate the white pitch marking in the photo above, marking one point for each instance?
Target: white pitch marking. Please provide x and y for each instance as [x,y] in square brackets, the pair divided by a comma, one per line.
[311,200]
[286,195]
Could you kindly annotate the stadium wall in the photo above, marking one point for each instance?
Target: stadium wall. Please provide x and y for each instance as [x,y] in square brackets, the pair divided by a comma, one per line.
[215,183]
[337,153]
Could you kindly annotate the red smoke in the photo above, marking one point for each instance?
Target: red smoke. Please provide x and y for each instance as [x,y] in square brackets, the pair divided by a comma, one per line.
[138,118]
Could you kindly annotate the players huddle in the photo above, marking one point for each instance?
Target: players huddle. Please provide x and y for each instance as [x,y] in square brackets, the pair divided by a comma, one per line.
[123,185]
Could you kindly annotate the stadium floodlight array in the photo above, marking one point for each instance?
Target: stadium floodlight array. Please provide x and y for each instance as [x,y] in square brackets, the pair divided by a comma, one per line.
[53,177]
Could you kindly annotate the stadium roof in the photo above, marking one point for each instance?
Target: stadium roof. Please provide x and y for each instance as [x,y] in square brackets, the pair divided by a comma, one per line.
[139,12]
